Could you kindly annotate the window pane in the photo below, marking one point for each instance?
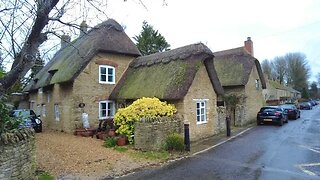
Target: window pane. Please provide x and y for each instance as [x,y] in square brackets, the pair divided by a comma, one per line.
[103,78]
[103,106]
[110,109]
[110,71]
[198,112]
[103,113]
[110,78]
[198,118]
[198,105]
[202,118]
[202,111]
[103,70]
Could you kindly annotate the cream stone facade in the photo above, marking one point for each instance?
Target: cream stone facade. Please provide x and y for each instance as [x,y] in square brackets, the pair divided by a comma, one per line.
[254,99]
[58,105]
[200,90]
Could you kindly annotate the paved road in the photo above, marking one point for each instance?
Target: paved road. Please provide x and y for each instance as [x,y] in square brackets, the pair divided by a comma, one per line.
[264,152]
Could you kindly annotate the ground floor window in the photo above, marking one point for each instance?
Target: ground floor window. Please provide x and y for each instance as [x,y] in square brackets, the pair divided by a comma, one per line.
[44,110]
[201,106]
[106,109]
[57,112]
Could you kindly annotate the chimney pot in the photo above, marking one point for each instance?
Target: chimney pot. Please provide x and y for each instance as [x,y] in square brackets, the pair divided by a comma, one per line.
[248,45]
[83,28]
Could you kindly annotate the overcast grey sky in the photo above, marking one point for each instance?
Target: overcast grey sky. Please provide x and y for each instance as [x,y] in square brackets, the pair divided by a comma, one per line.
[275,26]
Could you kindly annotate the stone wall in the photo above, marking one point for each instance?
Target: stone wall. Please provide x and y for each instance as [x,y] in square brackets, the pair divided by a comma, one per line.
[222,114]
[17,155]
[150,134]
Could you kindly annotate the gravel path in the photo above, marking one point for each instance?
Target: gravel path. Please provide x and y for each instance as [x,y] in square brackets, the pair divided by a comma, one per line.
[65,155]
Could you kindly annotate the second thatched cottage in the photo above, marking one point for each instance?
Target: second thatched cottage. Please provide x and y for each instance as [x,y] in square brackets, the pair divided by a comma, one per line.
[241,76]
[183,77]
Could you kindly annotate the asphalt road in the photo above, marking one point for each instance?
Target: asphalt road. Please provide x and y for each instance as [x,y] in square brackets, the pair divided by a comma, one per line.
[264,152]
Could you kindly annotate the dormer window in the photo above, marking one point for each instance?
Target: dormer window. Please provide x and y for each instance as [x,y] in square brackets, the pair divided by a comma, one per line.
[107,74]
[257,84]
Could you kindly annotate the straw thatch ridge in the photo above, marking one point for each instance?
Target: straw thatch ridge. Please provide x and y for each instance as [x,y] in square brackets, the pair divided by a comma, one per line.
[234,66]
[166,75]
[69,62]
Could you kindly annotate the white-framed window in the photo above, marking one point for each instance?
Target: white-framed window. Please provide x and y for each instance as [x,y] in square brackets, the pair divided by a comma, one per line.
[201,111]
[257,84]
[44,110]
[40,90]
[57,112]
[48,96]
[106,109]
[107,74]
[38,109]
[32,103]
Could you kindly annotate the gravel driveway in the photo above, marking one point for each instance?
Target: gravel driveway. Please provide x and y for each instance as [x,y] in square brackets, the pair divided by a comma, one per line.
[65,155]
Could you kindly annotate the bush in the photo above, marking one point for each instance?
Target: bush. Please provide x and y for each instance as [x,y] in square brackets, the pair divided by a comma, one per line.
[174,142]
[141,108]
[7,123]
[110,142]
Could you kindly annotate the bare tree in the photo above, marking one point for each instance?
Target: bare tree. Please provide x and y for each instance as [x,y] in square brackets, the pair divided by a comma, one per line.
[26,25]
[318,78]
[298,70]
[279,65]
[267,68]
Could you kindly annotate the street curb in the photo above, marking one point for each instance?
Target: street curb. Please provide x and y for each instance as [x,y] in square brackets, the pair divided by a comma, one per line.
[220,143]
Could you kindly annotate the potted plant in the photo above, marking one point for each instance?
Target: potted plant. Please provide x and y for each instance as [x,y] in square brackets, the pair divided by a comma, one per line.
[122,140]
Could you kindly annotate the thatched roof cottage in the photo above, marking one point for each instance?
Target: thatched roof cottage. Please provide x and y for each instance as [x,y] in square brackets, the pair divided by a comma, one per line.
[81,76]
[240,74]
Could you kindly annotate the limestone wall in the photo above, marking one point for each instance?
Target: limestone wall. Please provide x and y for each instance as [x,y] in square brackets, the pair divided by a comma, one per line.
[17,155]
[150,134]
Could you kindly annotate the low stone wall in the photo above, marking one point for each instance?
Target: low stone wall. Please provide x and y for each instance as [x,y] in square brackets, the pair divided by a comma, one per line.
[17,155]
[150,134]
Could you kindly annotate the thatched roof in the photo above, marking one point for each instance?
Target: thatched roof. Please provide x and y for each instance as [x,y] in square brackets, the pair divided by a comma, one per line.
[166,75]
[234,66]
[69,62]
[277,85]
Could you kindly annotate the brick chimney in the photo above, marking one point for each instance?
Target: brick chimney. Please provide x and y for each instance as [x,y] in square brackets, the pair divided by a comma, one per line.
[248,45]
[65,40]
[83,28]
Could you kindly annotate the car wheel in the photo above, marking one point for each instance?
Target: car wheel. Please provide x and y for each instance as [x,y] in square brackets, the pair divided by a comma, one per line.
[258,122]
[280,122]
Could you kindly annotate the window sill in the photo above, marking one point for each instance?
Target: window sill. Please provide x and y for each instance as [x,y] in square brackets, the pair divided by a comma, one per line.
[106,82]
[204,122]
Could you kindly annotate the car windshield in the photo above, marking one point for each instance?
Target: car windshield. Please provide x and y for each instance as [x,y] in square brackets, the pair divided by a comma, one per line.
[21,113]
[265,109]
[287,106]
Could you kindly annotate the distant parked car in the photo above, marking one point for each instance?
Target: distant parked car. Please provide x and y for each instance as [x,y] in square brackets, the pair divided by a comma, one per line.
[305,105]
[292,111]
[272,114]
[29,119]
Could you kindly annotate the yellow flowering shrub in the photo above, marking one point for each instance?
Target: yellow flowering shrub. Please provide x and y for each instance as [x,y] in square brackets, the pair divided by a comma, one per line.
[142,108]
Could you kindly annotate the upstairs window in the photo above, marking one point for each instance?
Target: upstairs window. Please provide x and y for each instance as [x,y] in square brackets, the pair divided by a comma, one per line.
[107,74]
[257,84]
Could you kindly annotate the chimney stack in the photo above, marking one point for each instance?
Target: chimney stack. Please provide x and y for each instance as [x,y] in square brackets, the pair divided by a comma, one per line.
[65,40]
[248,45]
[83,28]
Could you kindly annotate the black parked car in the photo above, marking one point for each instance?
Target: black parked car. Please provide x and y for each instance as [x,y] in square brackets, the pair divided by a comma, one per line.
[272,114]
[291,110]
[29,119]
[305,105]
